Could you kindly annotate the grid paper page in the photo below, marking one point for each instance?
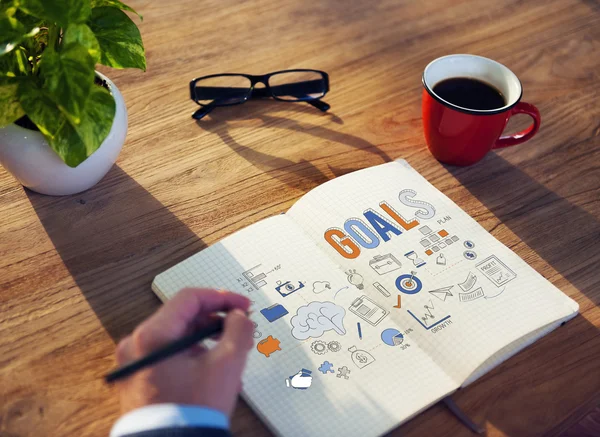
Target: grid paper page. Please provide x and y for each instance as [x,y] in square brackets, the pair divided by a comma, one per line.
[470,296]
[368,387]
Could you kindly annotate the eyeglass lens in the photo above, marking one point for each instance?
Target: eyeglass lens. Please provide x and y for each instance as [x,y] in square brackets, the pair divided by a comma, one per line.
[222,90]
[289,86]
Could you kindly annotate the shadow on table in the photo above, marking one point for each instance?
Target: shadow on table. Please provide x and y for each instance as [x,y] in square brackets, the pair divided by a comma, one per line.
[542,384]
[306,175]
[541,218]
[114,238]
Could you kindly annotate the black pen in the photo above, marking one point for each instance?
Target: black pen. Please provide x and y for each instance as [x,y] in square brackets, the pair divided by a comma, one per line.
[165,352]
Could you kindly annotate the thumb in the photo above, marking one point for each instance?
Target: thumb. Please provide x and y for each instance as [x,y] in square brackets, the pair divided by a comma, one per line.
[236,339]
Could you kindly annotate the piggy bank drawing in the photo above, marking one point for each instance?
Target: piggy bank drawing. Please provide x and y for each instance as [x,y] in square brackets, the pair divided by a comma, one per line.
[268,346]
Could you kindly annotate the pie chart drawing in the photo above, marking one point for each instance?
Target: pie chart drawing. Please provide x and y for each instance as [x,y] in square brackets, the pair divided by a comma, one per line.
[392,337]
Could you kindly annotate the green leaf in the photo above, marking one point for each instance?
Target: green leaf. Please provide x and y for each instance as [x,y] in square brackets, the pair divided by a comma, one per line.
[69,76]
[63,12]
[41,109]
[115,4]
[14,64]
[119,38]
[12,32]
[73,143]
[82,34]
[11,107]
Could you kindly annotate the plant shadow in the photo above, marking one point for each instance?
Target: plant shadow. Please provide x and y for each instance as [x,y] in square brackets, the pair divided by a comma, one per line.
[275,115]
[113,239]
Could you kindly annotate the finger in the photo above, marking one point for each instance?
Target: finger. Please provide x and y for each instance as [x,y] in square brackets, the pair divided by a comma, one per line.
[179,315]
[236,339]
[124,352]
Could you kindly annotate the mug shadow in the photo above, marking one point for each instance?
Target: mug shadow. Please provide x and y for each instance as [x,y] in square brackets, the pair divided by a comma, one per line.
[113,239]
[303,174]
[553,227]
[548,223]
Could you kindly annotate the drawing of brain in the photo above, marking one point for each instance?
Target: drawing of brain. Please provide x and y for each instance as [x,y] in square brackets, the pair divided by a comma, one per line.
[316,318]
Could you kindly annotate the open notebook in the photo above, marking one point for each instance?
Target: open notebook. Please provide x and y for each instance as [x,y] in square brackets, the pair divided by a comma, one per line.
[374,297]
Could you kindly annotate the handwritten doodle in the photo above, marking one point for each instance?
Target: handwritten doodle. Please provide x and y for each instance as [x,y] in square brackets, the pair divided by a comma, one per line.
[268,346]
[256,333]
[321,286]
[334,346]
[392,337]
[412,255]
[442,293]
[469,244]
[301,380]
[381,289]
[341,289]
[360,357]
[319,347]
[356,233]
[470,254]
[344,372]
[326,367]
[355,279]
[425,209]
[383,264]
[409,284]
[495,295]
[433,242]
[368,310]
[428,315]
[444,220]
[441,260]
[257,280]
[469,282]
[471,296]
[287,288]
[496,271]
[314,319]
[274,312]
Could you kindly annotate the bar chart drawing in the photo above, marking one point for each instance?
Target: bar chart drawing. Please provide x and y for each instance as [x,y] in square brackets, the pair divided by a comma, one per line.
[257,279]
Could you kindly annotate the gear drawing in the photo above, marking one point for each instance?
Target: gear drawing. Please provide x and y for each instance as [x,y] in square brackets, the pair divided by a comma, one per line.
[326,367]
[319,347]
[334,346]
[344,371]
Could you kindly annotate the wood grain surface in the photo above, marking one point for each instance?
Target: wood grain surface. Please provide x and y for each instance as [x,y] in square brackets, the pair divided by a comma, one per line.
[76,271]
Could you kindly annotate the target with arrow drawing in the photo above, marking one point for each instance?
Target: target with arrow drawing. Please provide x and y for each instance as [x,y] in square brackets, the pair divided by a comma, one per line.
[409,284]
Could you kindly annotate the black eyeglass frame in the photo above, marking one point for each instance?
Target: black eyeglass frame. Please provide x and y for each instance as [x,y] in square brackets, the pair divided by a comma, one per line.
[267,91]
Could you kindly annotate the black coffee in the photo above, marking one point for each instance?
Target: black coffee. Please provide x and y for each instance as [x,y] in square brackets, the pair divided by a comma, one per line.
[470,93]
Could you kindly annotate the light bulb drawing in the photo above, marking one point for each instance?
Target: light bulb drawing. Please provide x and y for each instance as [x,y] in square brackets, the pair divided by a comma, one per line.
[355,279]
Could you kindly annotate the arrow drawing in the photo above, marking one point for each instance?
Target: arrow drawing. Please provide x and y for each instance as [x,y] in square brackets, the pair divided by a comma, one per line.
[495,295]
[442,293]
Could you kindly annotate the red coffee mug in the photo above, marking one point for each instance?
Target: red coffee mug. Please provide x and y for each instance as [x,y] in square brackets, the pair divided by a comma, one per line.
[462,136]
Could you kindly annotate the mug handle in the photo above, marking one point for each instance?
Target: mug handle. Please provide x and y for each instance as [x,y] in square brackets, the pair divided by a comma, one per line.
[524,135]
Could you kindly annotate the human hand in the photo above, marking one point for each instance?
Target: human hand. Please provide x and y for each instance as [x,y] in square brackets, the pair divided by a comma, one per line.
[198,376]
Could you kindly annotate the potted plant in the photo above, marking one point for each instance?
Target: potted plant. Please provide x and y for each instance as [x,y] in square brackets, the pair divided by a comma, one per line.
[62,124]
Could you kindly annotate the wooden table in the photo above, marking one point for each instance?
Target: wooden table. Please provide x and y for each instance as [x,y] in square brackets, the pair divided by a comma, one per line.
[76,271]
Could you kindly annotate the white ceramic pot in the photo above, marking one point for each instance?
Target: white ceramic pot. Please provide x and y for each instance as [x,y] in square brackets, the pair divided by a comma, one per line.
[26,154]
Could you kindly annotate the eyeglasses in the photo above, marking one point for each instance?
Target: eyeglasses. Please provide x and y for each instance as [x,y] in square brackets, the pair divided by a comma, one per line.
[233,89]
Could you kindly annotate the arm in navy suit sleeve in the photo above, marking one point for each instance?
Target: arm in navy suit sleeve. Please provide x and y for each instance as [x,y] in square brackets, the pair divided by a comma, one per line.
[172,420]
